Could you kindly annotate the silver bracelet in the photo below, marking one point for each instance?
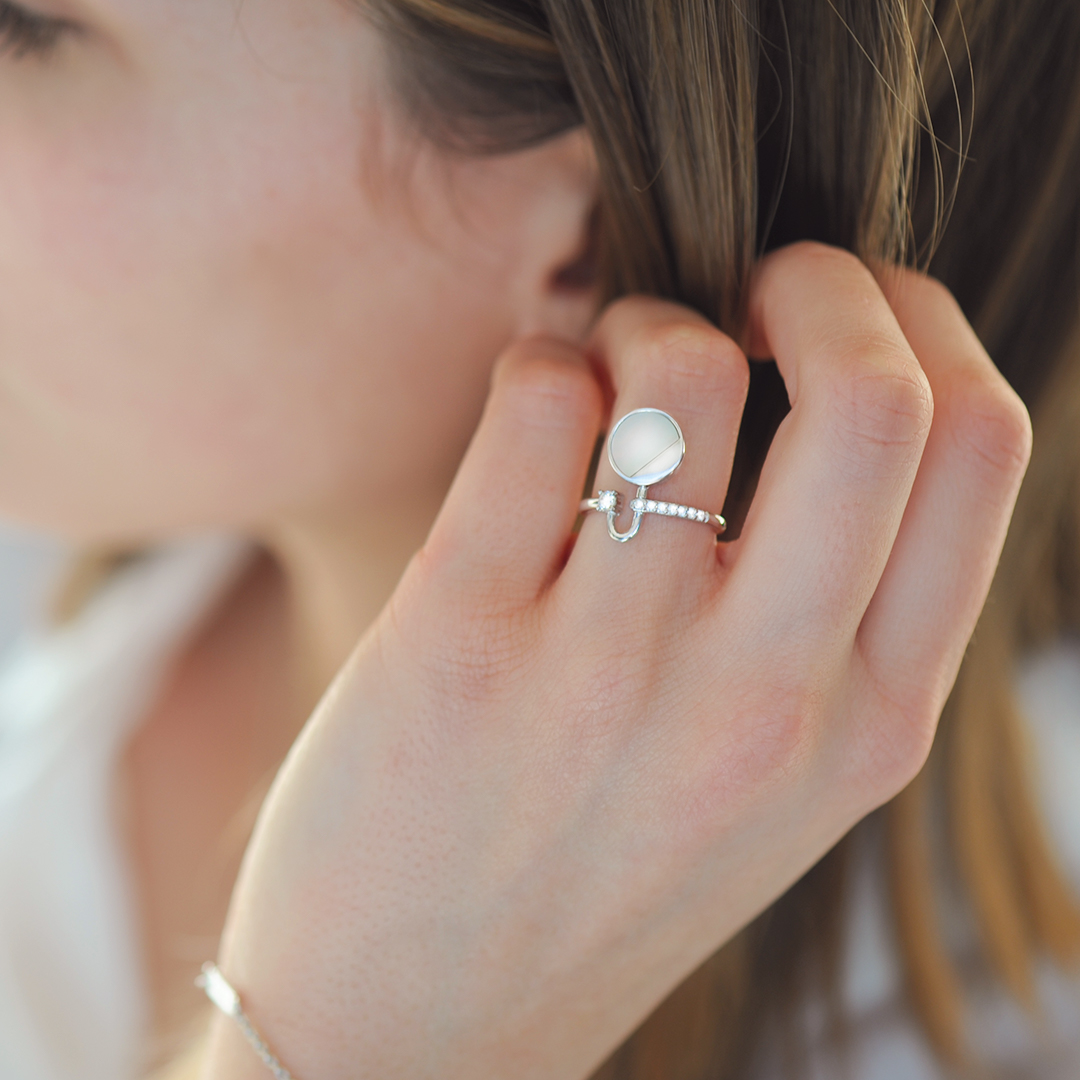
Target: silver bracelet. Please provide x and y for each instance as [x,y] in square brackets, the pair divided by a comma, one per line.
[221,993]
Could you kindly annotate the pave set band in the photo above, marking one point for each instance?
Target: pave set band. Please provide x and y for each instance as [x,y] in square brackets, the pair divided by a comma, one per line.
[611,500]
[645,447]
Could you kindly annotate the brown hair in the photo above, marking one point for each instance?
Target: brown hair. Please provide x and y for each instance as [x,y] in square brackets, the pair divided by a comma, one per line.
[724,128]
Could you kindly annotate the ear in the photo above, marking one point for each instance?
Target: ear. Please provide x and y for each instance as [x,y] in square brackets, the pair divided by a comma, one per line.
[524,221]
[556,291]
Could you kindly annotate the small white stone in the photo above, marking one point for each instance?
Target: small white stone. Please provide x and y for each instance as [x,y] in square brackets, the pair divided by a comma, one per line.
[218,990]
[651,507]
[682,511]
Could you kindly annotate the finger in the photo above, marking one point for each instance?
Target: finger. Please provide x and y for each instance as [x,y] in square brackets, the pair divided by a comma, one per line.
[663,356]
[840,470]
[507,518]
[917,626]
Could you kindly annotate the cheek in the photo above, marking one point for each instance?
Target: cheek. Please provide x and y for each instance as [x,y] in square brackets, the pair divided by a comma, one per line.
[197,328]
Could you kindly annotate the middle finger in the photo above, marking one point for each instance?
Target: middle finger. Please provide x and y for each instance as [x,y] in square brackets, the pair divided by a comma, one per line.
[663,356]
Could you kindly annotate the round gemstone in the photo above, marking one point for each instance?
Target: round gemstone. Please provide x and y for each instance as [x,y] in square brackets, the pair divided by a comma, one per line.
[645,446]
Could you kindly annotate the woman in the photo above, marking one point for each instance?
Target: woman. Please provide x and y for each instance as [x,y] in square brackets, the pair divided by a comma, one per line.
[259,264]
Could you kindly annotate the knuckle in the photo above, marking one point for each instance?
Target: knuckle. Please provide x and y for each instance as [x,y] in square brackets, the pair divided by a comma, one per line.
[896,749]
[788,730]
[991,426]
[882,403]
[770,748]
[776,734]
[894,731]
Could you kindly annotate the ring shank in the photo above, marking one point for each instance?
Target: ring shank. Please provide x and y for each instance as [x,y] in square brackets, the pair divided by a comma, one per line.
[603,503]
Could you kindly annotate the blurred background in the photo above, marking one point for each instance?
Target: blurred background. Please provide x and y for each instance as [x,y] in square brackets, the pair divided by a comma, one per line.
[29,566]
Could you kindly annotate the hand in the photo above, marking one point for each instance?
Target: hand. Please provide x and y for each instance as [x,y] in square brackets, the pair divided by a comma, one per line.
[539,795]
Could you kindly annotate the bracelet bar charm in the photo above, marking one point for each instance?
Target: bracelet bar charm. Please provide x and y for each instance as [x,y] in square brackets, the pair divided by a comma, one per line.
[220,991]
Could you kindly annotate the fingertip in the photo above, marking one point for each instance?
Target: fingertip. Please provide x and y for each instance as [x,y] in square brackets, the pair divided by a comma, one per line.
[512,505]
[538,348]
[546,382]
[638,332]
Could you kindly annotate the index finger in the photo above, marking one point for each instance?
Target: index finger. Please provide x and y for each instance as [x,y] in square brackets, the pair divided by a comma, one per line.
[840,470]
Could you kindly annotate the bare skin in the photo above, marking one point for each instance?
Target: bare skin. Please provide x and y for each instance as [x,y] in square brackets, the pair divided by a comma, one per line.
[201,762]
[194,774]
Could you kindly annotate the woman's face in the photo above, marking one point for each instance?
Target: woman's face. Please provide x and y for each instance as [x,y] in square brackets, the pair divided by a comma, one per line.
[233,286]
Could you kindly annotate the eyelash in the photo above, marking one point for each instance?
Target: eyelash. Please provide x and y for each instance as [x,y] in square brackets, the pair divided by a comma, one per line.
[27,34]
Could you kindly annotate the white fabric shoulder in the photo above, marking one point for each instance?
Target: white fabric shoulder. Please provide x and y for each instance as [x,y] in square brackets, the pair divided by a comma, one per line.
[72,994]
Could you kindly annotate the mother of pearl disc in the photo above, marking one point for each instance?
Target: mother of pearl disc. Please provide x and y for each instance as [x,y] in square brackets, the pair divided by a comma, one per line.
[645,446]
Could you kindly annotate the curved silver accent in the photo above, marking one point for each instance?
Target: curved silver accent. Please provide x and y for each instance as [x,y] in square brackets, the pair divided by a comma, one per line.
[610,503]
[635,521]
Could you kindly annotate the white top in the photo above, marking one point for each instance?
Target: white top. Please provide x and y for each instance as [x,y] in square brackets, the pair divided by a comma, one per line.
[29,563]
[72,989]
[73,1004]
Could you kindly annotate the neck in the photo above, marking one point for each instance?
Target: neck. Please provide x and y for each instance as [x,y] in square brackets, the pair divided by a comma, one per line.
[339,574]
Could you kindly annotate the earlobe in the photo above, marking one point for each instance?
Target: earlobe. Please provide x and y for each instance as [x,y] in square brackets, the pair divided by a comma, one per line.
[582,271]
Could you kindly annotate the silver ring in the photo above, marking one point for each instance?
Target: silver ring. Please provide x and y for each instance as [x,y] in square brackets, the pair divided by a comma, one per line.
[645,447]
